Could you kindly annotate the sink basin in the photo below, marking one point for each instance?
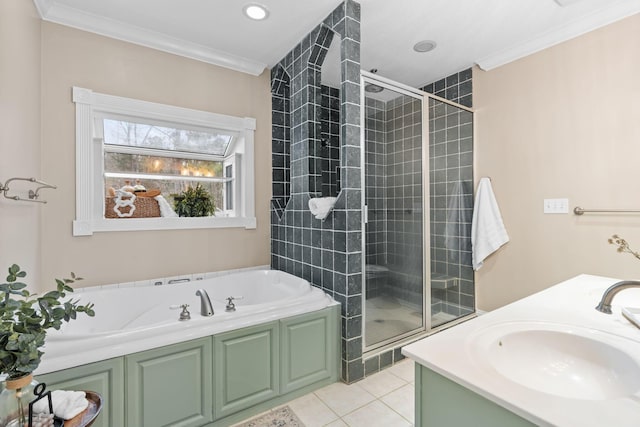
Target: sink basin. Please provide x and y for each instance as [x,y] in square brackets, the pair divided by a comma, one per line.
[562,360]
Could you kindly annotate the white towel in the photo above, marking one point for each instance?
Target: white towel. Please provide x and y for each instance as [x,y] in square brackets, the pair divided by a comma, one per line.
[166,210]
[66,404]
[321,206]
[487,230]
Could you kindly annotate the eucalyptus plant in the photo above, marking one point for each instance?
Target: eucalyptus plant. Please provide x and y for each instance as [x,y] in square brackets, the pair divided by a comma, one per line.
[25,319]
[194,201]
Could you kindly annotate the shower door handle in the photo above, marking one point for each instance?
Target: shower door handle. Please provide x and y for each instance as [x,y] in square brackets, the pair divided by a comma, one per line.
[365,214]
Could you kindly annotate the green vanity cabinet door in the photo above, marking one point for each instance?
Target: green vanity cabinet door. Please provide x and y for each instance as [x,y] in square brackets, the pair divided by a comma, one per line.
[442,402]
[105,377]
[309,349]
[245,368]
[170,386]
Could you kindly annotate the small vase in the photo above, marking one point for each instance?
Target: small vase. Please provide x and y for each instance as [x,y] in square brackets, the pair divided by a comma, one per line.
[15,399]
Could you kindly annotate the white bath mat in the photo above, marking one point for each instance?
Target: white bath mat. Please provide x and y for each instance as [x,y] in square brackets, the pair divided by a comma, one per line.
[281,417]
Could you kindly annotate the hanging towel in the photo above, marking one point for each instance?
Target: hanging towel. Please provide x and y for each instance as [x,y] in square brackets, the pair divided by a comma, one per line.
[487,230]
[456,231]
[321,206]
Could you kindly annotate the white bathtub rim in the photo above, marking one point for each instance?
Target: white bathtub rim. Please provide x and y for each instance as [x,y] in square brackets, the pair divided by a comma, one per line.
[81,353]
[172,319]
[64,354]
[88,328]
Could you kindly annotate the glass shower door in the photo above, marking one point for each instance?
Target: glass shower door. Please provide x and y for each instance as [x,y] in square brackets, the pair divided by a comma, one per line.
[394,242]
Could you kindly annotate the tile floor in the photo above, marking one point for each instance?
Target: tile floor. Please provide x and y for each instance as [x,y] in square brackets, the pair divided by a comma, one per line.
[384,399]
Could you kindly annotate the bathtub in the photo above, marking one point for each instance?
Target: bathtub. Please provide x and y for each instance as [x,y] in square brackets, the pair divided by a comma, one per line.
[144,316]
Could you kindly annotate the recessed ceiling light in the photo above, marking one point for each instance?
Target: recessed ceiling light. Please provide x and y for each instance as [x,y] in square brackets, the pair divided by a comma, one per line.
[255,11]
[424,46]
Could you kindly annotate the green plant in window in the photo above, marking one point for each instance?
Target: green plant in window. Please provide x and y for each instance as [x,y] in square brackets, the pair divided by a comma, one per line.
[194,201]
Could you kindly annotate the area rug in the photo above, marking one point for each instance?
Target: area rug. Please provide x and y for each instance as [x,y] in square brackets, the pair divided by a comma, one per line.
[281,417]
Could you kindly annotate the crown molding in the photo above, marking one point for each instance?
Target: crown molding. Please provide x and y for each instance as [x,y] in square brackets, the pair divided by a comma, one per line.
[50,11]
[571,30]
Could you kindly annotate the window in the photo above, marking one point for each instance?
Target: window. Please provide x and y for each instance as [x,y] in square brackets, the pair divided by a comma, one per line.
[123,143]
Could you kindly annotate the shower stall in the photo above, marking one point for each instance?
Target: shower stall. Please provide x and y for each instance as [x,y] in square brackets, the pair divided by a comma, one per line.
[417,208]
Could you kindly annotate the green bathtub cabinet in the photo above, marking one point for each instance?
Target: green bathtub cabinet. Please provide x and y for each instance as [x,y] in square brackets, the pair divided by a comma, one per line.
[170,386]
[213,381]
[308,350]
[245,368]
[105,377]
[442,402]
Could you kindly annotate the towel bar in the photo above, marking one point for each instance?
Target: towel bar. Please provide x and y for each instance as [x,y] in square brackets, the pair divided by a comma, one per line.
[579,211]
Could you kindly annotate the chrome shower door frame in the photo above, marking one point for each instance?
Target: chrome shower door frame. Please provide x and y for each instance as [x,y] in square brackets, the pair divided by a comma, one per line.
[370,78]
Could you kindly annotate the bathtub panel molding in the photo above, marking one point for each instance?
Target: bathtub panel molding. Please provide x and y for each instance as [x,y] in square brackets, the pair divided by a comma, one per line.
[246,368]
[170,385]
[326,252]
[309,349]
[105,377]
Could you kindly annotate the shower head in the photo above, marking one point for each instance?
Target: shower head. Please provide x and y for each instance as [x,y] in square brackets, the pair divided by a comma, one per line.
[373,88]
[370,87]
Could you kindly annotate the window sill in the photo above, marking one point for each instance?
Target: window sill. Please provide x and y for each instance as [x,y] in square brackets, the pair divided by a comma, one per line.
[87,228]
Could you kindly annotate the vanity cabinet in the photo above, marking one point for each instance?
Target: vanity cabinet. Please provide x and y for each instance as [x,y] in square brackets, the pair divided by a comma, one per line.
[105,377]
[170,386]
[442,402]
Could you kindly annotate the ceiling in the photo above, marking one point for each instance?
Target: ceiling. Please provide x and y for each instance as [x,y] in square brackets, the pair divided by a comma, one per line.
[488,33]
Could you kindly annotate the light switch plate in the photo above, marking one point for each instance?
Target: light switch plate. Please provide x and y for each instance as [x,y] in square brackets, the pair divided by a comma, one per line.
[556,206]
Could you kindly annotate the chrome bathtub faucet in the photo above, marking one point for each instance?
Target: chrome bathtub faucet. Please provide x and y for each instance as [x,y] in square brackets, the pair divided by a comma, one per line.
[206,309]
[607,297]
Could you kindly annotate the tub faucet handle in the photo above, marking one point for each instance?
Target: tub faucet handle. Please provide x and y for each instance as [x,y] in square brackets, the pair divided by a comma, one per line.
[230,305]
[184,314]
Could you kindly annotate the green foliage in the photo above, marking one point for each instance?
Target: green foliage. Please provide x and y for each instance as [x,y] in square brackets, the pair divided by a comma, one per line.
[24,320]
[194,201]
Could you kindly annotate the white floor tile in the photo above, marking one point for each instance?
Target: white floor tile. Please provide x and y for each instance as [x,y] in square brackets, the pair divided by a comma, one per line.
[343,398]
[375,414]
[402,401]
[404,370]
[312,411]
[337,423]
[381,383]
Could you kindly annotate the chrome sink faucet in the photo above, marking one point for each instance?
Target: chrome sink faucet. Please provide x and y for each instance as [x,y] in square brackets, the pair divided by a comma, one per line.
[206,309]
[607,297]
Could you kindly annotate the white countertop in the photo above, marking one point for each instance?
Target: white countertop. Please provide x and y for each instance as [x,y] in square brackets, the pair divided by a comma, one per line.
[451,354]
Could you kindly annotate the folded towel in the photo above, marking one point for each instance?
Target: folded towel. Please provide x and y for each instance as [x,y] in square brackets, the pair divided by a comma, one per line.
[165,208]
[321,206]
[487,230]
[66,404]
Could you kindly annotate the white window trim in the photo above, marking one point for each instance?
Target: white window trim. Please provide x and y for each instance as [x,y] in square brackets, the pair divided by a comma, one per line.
[89,183]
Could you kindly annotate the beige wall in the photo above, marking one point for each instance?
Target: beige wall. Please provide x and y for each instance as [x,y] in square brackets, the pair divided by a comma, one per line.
[19,134]
[562,123]
[75,58]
